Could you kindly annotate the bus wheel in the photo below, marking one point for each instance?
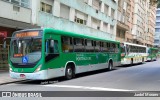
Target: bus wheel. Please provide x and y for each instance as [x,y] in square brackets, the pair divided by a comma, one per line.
[142,60]
[110,66]
[132,61]
[69,73]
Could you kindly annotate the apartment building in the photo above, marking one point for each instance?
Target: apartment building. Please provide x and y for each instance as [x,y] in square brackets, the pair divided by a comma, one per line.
[137,22]
[89,17]
[157,29]
[123,21]
[149,41]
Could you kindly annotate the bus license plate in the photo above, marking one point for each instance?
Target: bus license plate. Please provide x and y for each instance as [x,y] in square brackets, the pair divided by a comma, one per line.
[22,76]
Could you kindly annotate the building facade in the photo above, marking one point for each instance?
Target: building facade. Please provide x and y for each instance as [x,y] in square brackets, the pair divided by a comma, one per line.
[89,17]
[123,21]
[157,29]
[138,19]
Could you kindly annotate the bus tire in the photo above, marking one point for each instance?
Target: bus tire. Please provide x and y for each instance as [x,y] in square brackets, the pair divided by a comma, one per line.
[142,60]
[110,65]
[69,72]
[131,61]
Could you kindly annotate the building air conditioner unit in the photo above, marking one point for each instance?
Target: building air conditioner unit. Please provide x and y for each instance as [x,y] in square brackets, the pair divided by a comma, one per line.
[96,11]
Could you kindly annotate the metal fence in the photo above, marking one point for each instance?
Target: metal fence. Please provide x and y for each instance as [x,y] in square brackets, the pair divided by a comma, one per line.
[4,57]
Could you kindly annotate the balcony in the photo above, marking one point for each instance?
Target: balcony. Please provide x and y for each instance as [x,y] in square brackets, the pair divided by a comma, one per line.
[120,39]
[15,12]
[122,25]
[129,35]
[138,38]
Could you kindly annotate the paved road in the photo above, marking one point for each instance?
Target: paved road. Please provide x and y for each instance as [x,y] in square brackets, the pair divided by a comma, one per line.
[143,77]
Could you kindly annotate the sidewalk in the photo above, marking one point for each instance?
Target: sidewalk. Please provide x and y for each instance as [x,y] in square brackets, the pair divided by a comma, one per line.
[5,78]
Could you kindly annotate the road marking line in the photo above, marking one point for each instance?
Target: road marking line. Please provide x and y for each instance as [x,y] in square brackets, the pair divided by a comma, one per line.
[85,87]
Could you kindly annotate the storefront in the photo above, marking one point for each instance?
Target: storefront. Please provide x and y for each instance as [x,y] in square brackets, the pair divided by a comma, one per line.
[4,32]
[7,27]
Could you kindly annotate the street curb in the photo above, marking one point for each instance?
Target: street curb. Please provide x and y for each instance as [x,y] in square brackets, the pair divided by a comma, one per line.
[11,82]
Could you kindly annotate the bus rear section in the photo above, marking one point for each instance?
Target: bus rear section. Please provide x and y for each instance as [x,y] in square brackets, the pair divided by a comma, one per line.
[152,54]
[133,53]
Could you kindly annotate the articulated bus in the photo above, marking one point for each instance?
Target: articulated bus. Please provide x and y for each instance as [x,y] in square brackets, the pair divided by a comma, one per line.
[46,53]
[133,53]
[152,54]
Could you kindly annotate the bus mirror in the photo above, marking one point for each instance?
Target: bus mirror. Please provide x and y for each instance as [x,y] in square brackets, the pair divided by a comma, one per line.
[4,44]
[51,43]
[17,41]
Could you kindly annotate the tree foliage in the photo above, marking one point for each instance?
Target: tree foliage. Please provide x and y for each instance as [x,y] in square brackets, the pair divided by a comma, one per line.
[155,3]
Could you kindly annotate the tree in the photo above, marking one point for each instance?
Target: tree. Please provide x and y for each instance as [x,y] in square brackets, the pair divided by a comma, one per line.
[154,2]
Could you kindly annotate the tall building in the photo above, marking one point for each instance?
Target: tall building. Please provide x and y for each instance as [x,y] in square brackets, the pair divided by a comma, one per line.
[150,32]
[124,15]
[137,22]
[157,29]
[89,17]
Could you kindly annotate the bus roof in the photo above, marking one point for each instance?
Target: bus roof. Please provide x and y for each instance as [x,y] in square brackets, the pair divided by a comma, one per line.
[134,44]
[65,33]
[154,48]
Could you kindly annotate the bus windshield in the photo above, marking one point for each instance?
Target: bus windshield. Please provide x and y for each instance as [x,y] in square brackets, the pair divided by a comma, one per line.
[30,48]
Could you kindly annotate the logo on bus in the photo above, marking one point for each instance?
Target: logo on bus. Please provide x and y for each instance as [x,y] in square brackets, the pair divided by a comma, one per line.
[25,59]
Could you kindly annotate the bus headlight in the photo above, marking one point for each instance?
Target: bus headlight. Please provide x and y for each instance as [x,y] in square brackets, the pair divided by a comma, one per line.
[38,68]
[10,69]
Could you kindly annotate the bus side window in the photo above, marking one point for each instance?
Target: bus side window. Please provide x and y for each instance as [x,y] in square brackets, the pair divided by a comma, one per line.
[89,47]
[79,45]
[97,46]
[116,48]
[52,47]
[108,47]
[56,50]
[102,46]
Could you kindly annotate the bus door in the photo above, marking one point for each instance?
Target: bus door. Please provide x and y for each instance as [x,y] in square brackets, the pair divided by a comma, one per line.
[52,49]
[123,51]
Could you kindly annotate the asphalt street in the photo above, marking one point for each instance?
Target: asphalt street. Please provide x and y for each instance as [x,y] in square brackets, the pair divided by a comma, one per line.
[141,77]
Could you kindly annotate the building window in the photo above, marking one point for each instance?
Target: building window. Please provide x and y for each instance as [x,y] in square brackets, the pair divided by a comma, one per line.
[111,29]
[95,23]
[112,13]
[96,4]
[105,27]
[46,7]
[80,18]
[106,9]
[23,3]
[16,1]
[158,12]
[157,23]
[64,11]
[157,29]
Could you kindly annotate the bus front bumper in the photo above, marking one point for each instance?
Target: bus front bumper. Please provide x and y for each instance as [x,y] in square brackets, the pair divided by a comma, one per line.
[41,75]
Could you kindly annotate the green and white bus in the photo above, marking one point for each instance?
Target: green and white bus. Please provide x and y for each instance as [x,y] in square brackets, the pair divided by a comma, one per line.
[133,53]
[46,53]
[152,54]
